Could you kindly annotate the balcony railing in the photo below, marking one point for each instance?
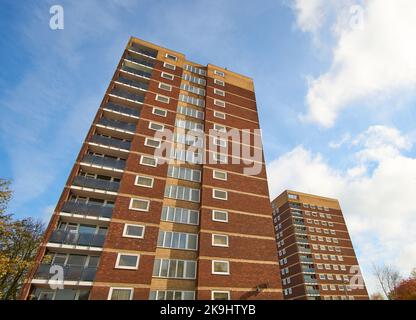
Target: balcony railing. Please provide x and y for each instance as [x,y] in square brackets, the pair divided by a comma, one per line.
[310,280]
[301,240]
[312,291]
[302,249]
[141,61]
[137,72]
[111,142]
[127,95]
[101,184]
[129,82]
[71,273]
[308,269]
[104,162]
[143,51]
[121,109]
[88,209]
[75,238]
[306,259]
[118,124]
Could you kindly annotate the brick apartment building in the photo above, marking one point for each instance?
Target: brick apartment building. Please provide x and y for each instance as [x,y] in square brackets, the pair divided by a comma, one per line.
[316,255]
[130,226]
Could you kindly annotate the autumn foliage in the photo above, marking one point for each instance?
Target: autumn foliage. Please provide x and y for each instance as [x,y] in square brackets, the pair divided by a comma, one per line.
[406,290]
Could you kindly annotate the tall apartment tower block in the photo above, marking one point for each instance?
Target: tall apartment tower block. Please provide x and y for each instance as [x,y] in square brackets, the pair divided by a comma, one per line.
[316,256]
[130,226]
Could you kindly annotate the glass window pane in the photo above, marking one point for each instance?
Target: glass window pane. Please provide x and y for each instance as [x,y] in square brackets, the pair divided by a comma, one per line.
[164,268]
[172,268]
[121,294]
[192,242]
[65,294]
[156,267]
[175,240]
[190,269]
[182,242]
[76,260]
[180,269]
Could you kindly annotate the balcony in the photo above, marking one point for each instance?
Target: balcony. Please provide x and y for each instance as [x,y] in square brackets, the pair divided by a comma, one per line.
[140,61]
[312,291]
[127,95]
[136,72]
[87,209]
[77,239]
[105,162]
[132,83]
[308,270]
[129,112]
[152,54]
[71,273]
[301,240]
[306,259]
[303,249]
[310,280]
[300,231]
[111,142]
[298,222]
[87,182]
[120,125]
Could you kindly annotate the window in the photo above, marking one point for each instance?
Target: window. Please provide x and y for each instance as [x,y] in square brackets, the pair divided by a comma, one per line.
[219,103]
[220,267]
[160,112]
[193,89]
[162,99]
[219,73]
[195,70]
[219,175]
[156,126]
[120,294]
[165,86]
[127,261]
[182,193]
[171,57]
[219,92]
[169,66]
[133,231]
[219,82]
[171,295]
[194,79]
[172,268]
[190,112]
[219,215]
[177,240]
[220,240]
[184,173]
[220,142]
[151,142]
[143,181]
[148,161]
[292,196]
[220,295]
[180,215]
[221,158]
[219,128]
[189,125]
[139,204]
[192,100]
[218,114]
[219,194]
[167,76]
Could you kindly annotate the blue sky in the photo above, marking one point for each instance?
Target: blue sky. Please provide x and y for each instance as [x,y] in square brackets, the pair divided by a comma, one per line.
[336,102]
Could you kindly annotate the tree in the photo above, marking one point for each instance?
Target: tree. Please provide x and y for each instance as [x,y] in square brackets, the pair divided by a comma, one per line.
[19,242]
[388,278]
[413,273]
[377,296]
[406,290]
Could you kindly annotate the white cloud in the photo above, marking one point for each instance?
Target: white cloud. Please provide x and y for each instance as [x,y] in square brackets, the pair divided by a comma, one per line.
[376,199]
[372,62]
[310,14]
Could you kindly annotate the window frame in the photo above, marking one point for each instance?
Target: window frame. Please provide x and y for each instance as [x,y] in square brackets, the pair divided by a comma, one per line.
[217,113]
[126,225]
[219,103]
[213,292]
[216,178]
[219,272]
[219,73]
[220,235]
[145,164]
[169,66]
[214,197]
[161,84]
[154,139]
[171,56]
[135,209]
[119,254]
[159,130]
[170,77]
[141,185]
[219,220]
[219,82]
[110,292]
[160,109]
[158,96]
